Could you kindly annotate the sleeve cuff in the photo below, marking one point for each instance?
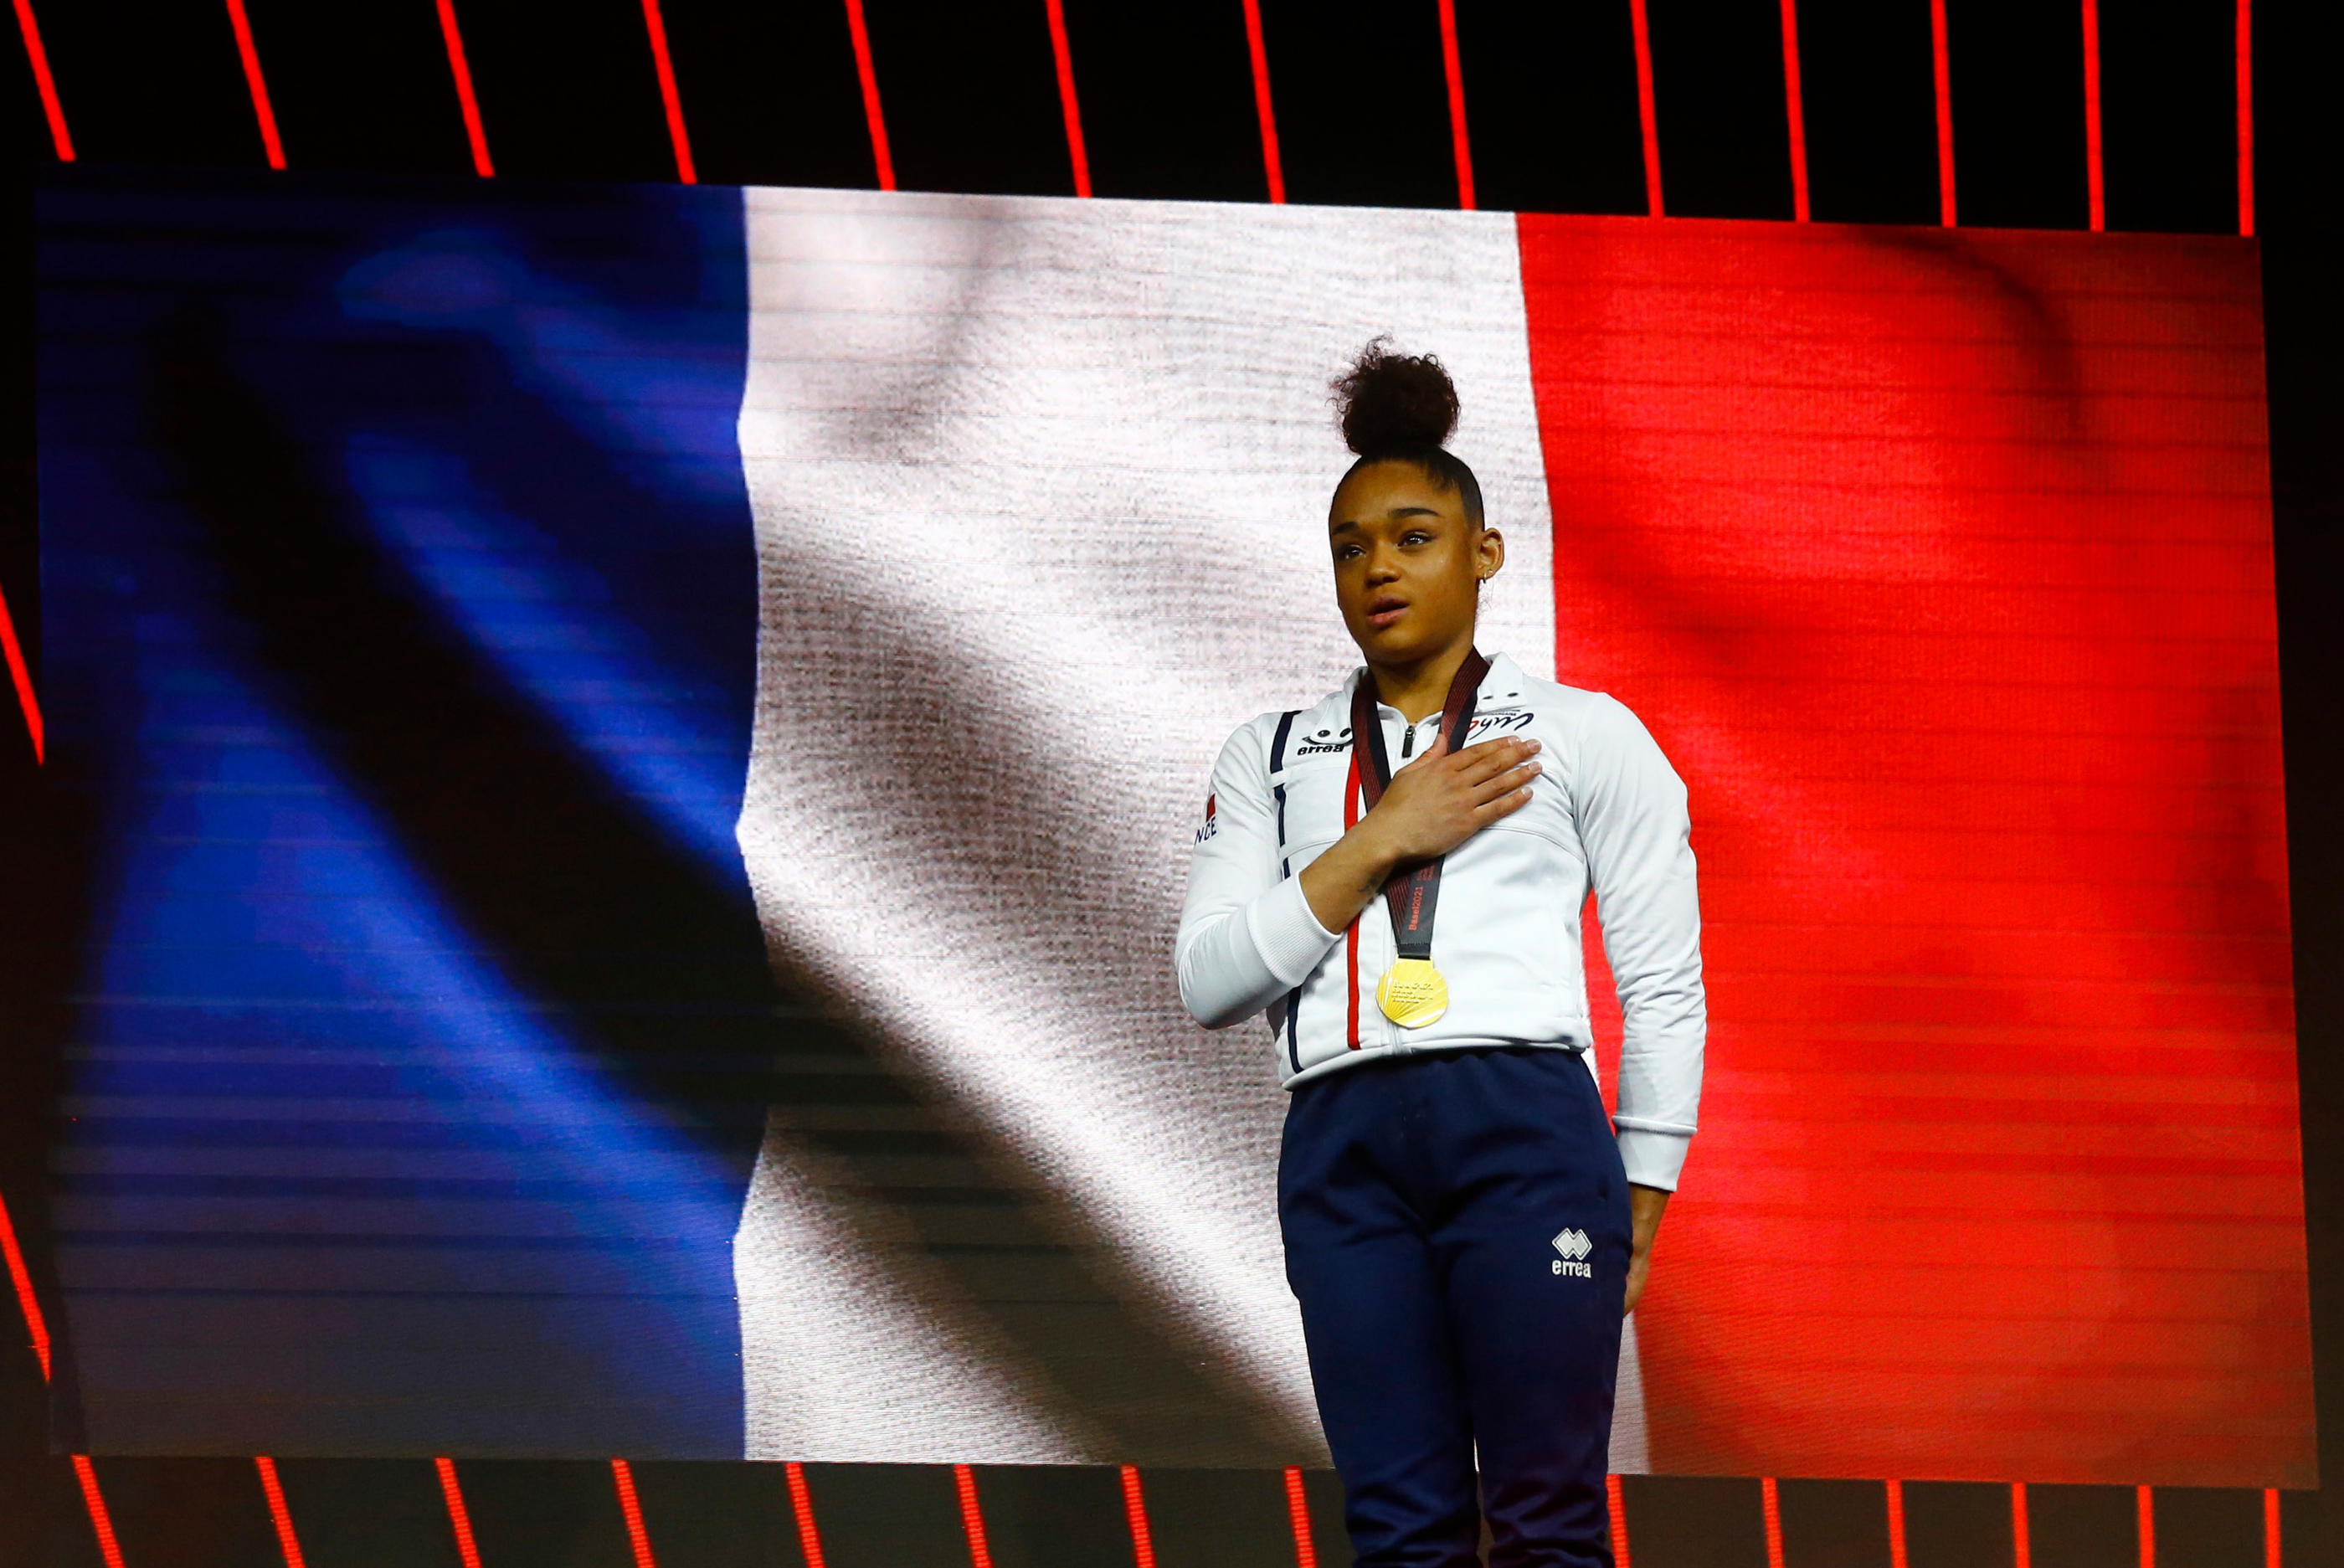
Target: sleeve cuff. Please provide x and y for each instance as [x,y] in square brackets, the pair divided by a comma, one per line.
[1286,933]
[1653,1158]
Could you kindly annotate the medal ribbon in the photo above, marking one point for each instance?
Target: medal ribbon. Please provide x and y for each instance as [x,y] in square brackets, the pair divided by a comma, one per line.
[1411,895]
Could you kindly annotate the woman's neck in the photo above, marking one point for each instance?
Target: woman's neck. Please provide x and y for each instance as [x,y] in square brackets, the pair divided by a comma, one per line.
[1420,689]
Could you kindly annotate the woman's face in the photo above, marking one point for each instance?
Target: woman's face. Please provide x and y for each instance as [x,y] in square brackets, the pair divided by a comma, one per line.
[1407,563]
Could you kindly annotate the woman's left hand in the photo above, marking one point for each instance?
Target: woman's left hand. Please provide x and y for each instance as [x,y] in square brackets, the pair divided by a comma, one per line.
[1645,1205]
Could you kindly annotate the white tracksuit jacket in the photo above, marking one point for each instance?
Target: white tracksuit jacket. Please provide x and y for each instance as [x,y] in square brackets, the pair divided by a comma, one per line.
[1608,812]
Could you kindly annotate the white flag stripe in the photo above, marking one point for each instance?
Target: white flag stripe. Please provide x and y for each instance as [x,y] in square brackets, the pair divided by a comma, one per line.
[844,1364]
[1039,490]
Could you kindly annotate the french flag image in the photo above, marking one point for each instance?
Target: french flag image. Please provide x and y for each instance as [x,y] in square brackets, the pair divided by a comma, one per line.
[624,763]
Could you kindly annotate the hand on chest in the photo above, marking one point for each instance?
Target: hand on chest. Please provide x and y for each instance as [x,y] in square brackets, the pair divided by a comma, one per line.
[1319,795]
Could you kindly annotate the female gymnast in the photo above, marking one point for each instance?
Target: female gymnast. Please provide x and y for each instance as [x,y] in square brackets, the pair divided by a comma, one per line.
[1394,875]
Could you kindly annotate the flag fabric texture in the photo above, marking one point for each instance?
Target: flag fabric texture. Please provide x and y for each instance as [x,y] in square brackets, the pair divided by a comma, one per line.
[634,754]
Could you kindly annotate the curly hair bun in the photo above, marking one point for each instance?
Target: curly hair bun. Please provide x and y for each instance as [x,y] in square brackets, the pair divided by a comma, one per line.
[1394,403]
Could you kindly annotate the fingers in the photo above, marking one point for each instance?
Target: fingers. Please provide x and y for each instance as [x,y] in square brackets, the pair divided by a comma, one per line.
[1501,806]
[1514,778]
[1490,758]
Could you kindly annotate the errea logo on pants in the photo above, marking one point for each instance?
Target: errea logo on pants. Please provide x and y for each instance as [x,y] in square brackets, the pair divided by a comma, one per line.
[1574,1245]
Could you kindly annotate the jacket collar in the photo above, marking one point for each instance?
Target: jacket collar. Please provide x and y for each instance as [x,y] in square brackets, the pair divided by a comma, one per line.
[1504,676]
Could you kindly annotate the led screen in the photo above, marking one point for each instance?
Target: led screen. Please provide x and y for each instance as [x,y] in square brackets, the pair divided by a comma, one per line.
[634,753]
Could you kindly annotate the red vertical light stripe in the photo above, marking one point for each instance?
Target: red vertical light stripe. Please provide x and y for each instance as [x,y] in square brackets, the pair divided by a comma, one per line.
[972,1516]
[1617,1497]
[1451,63]
[1068,107]
[1795,107]
[1271,167]
[2245,128]
[463,72]
[2270,1494]
[21,1277]
[2022,1552]
[1770,1502]
[1897,1525]
[256,84]
[674,101]
[460,1518]
[2092,116]
[278,1515]
[1135,1509]
[2146,1506]
[801,1507]
[1942,64]
[1298,1515]
[630,1509]
[1644,110]
[101,1523]
[25,699]
[42,82]
[881,161]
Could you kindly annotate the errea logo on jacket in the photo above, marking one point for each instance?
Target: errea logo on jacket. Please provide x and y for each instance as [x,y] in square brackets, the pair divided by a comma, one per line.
[1574,1245]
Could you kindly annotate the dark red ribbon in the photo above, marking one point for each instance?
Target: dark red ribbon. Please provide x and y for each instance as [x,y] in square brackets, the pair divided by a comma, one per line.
[1412,895]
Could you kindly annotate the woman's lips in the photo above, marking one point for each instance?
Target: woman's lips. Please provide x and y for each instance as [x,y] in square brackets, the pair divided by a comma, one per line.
[1382,612]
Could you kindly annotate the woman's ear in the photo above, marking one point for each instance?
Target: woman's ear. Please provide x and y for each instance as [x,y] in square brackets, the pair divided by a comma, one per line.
[1489,554]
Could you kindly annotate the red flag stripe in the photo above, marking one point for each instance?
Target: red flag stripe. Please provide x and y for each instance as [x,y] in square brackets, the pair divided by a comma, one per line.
[1995,849]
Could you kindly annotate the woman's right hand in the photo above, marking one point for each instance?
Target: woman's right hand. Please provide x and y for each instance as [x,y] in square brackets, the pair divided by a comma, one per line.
[1442,798]
[1431,805]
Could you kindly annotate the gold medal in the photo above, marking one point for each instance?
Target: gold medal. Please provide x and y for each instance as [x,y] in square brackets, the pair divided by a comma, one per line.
[1412,993]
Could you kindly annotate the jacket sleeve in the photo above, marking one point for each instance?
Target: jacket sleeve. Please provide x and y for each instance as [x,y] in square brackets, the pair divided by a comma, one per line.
[1247,933]
[1637,834]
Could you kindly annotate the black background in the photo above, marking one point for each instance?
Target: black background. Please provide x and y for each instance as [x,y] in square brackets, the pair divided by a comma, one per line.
[771,95]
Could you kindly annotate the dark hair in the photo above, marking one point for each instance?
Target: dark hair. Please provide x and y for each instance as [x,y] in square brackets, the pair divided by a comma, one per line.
[1401,407]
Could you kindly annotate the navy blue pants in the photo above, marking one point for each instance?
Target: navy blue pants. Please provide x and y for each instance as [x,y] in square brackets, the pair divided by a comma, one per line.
[1433,1208]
